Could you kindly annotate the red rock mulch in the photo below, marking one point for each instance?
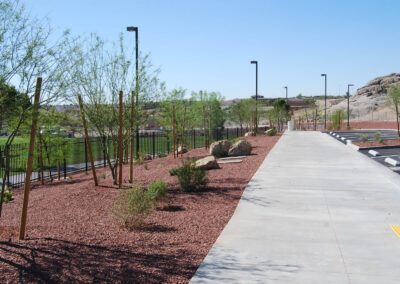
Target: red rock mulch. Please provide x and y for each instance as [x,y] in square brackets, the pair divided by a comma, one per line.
[72,235]
[377,144]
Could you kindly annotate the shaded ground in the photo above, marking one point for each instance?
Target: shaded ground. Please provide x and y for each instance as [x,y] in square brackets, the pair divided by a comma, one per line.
[72,235]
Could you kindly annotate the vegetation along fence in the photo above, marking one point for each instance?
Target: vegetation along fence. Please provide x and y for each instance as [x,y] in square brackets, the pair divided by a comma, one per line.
[72,156]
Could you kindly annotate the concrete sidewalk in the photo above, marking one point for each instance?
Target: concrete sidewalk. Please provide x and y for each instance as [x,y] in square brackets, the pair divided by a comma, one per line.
[315,212]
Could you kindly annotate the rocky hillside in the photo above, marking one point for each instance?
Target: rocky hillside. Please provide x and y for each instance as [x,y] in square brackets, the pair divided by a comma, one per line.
[369,98]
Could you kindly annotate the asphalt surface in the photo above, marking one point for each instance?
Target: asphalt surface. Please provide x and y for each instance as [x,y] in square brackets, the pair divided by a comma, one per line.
[355,136]
[314,212]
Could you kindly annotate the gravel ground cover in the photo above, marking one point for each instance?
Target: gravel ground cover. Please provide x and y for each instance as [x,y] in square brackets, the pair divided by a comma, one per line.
[72,236]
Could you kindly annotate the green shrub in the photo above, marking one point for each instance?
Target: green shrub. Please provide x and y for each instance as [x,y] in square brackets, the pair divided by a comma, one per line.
[337,118]
[157,190]
[378,137]
[191,178]
[7,197]
[133,207]
[271,132]
[363,138]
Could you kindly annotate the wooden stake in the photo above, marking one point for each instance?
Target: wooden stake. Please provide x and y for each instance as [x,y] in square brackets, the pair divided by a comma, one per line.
[35,116]
[132,138]
[87,140]
[173,130]
[120,147]
[183,131]
[204,126]
[41,155]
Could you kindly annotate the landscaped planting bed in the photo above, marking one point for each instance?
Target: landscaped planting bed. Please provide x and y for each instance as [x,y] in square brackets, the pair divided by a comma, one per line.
[72,236]
[378,144]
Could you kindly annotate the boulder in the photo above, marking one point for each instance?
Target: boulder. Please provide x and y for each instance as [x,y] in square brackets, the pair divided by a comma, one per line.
[220,148]
[240,148]
[147,157]
[180,150]
[251,133]
[207,163]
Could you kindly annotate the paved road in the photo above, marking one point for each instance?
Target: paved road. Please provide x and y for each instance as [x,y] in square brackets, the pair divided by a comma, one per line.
[315,212]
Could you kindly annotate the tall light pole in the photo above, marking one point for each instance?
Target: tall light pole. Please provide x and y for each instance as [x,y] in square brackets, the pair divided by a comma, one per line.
[348,105]
[286,94]
[256,121]
[136,30]
[324,75]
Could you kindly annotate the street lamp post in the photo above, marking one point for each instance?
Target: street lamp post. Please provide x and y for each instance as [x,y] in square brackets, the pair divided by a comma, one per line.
[348,105]
[324,75]
[136,30]
[256,120]
[286,93]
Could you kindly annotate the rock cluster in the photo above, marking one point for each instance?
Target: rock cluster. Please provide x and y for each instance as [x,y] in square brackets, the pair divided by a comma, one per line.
[220,148]
[240,148]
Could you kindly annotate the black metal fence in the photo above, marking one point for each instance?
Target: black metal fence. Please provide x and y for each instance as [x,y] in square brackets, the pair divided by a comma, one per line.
[72,155]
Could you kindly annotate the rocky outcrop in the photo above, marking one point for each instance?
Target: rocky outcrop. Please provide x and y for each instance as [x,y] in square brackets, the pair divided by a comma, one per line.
[369,98]
[220,148]
[240,148]
[207,163]
[379,85]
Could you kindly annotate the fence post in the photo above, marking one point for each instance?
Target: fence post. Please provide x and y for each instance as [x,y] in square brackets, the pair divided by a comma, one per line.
[168,143]
[65,169]
[104,151]
[194,139]
[227,134]
[237,131]
[86,160]
[154,145]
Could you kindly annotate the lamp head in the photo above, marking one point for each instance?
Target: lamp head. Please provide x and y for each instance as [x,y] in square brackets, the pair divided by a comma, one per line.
[253,62]
[132,29]
[323,75]
[350,85]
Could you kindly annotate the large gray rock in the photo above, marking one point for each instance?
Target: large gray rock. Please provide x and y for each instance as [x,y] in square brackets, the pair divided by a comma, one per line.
[207,163]
[220,148]
[240,148]
[180,150]
[251,133]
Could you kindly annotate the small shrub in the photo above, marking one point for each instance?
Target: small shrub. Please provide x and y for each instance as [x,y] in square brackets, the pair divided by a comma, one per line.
[104,175]
[363,138]
[337,118]
[378,137]
[271,132]
[140,159]
[133,207]
[173,172]
[70,177]
[162,155]
[146,167]
[157,190]
[7,197]
[191,178]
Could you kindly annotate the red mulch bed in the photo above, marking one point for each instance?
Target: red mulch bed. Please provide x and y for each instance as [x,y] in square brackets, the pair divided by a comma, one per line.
[72,236]
[369,125]
[377,144]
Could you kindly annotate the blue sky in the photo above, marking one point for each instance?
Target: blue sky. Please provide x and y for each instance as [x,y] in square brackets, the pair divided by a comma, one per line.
[209,44]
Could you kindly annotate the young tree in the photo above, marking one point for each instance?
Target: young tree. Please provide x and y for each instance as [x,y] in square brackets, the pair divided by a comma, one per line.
[26,52]
[394,100]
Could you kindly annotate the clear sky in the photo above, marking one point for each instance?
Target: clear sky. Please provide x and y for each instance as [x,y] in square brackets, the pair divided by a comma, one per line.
[208,44]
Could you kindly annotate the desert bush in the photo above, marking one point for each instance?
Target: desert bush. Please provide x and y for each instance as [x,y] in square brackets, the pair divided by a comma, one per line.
[190,178]
[157,190]
[7,196]
[133,207]
[271,132]
[378,137]
[337,118]
[363,138]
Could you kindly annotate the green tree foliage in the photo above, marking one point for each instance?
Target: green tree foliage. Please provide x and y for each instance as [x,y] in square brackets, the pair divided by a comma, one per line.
[394,100]
[243,112]
[337,118]
[281,112]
